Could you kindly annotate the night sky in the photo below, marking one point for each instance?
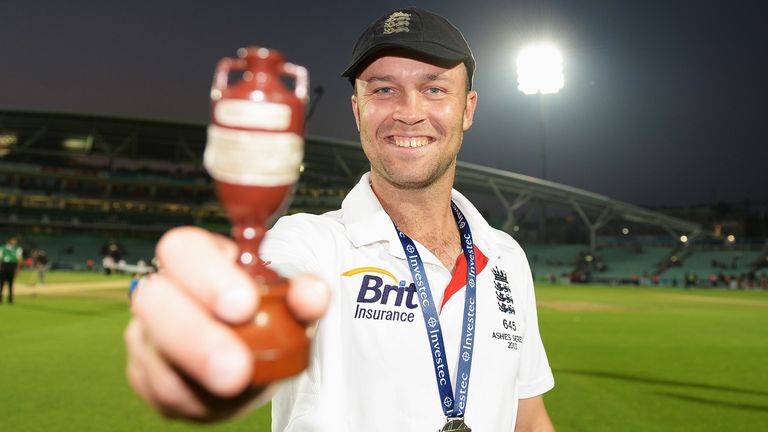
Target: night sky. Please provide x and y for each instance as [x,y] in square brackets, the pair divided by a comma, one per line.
[664,101]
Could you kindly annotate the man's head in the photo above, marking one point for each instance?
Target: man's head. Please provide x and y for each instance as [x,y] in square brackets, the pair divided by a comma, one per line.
[415,33]
[12,241]
[412,103]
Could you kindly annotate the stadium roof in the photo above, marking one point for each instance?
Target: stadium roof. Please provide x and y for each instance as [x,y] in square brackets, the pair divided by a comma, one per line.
[27,136]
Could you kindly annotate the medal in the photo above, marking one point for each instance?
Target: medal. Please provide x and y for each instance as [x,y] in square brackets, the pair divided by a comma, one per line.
[455,425]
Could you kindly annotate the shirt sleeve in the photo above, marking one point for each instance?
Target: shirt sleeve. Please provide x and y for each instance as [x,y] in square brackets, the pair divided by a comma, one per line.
[535,375]
[297,244]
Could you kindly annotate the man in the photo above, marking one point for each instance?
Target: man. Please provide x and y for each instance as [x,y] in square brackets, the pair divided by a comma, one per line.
[10,263]
[41,266]
[425,293]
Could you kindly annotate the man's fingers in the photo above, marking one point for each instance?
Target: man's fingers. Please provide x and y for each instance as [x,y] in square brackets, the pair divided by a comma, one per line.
[134,341]
[173,393]
[308,297]
[191,339]
[156,381]
[203,264]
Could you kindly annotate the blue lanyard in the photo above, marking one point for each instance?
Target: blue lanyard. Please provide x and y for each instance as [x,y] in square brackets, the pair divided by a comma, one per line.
[453,402]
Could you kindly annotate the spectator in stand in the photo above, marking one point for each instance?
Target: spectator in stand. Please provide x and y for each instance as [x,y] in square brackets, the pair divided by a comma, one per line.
[688,280]
[751,279]
[735,283]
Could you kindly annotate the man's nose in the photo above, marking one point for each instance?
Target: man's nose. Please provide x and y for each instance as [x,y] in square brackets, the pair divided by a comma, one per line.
[410,108]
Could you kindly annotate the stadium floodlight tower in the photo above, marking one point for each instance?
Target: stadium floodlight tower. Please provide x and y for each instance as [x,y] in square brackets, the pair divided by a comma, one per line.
[540,72]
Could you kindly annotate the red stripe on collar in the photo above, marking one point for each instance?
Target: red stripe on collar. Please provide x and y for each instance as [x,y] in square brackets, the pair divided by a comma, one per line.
[459,279]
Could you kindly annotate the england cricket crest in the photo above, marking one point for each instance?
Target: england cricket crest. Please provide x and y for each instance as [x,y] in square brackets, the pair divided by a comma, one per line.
[503,293]
[397,22]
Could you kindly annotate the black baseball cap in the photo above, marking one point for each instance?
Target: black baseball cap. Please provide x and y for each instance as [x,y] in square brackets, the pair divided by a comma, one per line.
[414,30]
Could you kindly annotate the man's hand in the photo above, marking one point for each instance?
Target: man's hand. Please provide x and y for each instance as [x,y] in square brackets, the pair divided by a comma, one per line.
[183,359]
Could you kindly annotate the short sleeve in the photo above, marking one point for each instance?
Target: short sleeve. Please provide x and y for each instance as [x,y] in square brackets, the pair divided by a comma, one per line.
[298,243]
[535,375]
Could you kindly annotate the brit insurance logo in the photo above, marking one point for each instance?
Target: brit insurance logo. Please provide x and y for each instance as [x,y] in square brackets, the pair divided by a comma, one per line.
[383,297]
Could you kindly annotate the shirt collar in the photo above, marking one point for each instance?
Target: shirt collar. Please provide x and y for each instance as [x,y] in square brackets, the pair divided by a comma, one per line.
[366,221]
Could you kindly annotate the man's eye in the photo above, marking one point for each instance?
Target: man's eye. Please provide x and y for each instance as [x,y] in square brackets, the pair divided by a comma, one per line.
[434,90]
[384,90]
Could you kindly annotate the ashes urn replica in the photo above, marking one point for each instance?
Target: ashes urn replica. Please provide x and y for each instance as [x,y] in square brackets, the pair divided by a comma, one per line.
[254,152]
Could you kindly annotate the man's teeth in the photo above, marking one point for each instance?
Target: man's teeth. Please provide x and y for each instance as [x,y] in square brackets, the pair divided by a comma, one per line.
[411,141]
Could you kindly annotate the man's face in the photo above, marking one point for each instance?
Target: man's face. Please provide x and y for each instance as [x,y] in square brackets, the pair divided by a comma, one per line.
[412,116]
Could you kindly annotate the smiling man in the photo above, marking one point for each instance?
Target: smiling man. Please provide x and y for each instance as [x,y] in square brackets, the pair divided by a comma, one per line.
[432,324]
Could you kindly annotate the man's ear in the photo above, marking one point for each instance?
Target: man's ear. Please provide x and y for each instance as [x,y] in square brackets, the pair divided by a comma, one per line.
[355,111]
[469,109]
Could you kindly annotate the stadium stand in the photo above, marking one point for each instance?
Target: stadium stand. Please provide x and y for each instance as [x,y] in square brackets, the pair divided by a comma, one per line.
[70,183]
[718,267]
[630,263]
[553,261]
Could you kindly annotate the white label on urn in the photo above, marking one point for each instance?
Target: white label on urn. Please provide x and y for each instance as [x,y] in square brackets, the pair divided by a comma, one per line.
[253,158]
[254,115]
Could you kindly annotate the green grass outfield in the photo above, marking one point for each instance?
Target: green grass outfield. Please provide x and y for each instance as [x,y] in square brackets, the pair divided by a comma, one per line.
[625,359]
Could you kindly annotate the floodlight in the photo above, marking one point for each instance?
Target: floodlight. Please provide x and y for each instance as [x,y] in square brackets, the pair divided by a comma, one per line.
[8,140]
[79,144]
[540,70]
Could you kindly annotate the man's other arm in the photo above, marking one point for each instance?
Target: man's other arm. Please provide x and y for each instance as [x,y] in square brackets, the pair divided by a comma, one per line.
[532,416]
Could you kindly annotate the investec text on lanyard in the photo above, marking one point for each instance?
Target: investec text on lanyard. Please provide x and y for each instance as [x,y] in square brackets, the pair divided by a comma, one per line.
[454,403]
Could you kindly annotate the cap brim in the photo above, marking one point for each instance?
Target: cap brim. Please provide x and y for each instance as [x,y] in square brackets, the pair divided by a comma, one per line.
[422,50]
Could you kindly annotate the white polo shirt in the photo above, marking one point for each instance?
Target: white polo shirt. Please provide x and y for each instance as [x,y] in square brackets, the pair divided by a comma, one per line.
[371,365]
